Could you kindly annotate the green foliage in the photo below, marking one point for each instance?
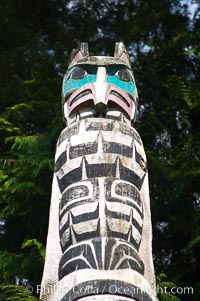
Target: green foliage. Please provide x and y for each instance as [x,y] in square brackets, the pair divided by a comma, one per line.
[26,264]
[163,41]
[15,293]
[165,289]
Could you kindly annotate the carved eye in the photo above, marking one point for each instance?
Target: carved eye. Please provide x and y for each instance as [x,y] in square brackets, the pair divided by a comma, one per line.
[124,75]
[78,73]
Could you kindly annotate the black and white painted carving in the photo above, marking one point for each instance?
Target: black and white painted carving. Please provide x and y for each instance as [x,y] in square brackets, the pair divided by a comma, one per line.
[99,239]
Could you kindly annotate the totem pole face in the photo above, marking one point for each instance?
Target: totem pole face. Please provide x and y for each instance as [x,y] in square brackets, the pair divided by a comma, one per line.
[101,83]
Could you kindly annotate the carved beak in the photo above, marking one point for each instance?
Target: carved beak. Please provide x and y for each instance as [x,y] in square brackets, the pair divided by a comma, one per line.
[101,87]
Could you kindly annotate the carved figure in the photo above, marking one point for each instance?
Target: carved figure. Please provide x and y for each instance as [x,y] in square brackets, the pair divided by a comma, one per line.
[99,238]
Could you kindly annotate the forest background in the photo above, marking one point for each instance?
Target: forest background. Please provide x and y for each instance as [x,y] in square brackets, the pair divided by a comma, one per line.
[37,39]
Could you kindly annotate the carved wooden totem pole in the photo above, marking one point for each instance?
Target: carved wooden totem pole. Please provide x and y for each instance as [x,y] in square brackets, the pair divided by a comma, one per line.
[99,238]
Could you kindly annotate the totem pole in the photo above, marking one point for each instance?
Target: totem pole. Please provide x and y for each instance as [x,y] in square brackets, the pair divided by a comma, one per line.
[99,237]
